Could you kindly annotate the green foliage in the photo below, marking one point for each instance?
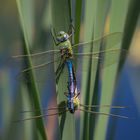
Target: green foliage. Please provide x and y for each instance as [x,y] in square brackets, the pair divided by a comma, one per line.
[23,7]
[91,19]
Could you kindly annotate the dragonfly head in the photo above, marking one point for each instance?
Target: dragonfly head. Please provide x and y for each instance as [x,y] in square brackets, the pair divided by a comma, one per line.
[73,104]
[62,37]
[76,102]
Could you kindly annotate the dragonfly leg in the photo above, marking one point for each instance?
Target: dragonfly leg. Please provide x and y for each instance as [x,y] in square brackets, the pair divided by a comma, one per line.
[59,67]
[77,94]
[53,33]
[71,27]
[59,70]
[71,30]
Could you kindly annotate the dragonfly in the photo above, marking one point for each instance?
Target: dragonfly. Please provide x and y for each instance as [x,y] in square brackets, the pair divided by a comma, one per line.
[72,103]
[67,51]
[64,107]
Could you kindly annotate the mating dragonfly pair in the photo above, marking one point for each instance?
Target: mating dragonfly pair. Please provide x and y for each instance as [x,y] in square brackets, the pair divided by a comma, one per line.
[65,56]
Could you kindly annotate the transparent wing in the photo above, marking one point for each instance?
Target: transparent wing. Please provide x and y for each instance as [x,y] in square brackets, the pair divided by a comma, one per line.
[105,48]
[113,38]
[58,110]
[43,65]
[104,58]
[37,54]
[103,106]
[61,107]
[62,78]
[103,113]
[40,116]
[44,62]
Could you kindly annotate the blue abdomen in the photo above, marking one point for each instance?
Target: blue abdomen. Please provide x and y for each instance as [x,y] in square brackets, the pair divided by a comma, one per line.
[71,85]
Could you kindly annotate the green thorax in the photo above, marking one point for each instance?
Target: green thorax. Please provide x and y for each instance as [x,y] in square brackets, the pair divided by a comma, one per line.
[66,48]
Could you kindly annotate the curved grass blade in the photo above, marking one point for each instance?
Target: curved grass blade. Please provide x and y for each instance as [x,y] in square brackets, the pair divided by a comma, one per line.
[85,88]
[94,28]
[133,10]
[32,87]
[130,25]
[116,23]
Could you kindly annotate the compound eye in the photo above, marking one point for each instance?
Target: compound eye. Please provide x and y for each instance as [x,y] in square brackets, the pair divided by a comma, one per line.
[65,36]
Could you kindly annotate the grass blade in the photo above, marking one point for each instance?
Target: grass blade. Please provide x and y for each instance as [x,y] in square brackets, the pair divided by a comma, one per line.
[61,22]
[116,24]
[89,19]
[33,91]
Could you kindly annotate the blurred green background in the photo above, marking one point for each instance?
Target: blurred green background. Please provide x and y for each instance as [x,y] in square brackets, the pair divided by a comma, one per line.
[27,23]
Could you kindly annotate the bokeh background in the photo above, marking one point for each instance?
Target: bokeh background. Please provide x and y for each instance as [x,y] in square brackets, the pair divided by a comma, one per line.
[12,100]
